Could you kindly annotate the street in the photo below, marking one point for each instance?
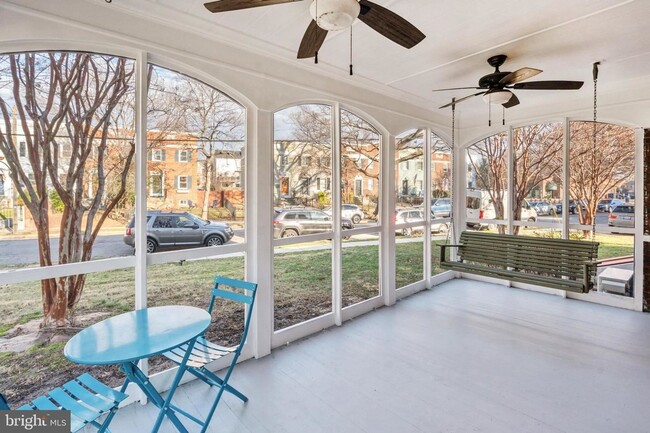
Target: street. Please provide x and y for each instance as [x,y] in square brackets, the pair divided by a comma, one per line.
[16,252]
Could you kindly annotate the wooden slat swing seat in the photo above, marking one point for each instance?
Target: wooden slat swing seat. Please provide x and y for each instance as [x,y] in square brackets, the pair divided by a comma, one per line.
[555,263]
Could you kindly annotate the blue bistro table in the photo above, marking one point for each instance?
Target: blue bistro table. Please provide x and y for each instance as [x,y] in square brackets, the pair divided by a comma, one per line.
[130,337]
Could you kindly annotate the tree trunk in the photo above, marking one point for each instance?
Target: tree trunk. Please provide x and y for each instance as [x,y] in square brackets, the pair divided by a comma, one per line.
[208,187]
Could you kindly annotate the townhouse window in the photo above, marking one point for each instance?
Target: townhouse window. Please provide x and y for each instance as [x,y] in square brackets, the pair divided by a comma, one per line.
[325,161]
[304,185]
[22,149]
[419,165]
[358,187]
[157,155]
[65,150]
[306,161]
[156,184]
[183,182]
[183,156]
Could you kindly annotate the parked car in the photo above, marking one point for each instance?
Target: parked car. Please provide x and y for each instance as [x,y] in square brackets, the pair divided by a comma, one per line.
[441,207]
[297,222]
[609,204]
[572,207]
[622,216]
[541,207]
[166,229]
[350,211]
[413,215]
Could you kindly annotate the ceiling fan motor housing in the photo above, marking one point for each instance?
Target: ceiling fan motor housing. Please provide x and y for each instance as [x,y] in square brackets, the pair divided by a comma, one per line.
[491,80]
[334,15]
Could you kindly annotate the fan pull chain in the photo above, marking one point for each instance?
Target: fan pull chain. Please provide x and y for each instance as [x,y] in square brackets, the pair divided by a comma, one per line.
[316,57]
[503,116]
[594,150]
[489,113]
[351,70]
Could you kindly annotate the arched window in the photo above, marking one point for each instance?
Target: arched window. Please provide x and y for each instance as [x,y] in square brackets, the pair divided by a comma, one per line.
[302,193]
[409,201]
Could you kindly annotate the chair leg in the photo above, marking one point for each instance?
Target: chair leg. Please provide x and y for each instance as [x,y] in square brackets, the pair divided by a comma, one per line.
[220,383]
[212,409]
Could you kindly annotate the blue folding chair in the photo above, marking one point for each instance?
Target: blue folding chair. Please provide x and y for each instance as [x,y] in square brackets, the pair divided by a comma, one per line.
[205,352]
[85,397]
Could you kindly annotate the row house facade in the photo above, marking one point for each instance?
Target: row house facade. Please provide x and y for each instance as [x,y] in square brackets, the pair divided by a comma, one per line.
[303,173]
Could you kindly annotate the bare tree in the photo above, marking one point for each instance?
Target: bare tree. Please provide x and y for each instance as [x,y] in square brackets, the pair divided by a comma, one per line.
[66,100]
[488,161]
[219,125]
[537,158]
[594,172]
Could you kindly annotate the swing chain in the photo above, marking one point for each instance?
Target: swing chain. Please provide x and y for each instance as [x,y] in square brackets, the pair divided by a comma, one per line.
[451,232]
[593,153]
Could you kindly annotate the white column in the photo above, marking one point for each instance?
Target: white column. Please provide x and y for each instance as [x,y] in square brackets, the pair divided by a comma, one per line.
[141,182]
[387,239]
[427,207]
[259,225]
[141,194]
[639,194]
[337,259]
[566,154]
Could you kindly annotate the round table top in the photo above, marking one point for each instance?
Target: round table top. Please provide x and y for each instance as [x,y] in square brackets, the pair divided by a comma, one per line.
[136,335]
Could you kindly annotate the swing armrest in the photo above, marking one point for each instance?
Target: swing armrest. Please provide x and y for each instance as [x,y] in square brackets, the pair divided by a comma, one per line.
[443,247]
[586,274]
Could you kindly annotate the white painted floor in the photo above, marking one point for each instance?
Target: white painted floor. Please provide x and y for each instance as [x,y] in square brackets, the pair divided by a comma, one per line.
[464,357]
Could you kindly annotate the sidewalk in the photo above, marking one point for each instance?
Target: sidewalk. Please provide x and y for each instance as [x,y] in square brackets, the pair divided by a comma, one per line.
[54,234]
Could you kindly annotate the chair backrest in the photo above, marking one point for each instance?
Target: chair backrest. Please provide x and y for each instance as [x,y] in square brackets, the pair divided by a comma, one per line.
[219,292]
[4,405]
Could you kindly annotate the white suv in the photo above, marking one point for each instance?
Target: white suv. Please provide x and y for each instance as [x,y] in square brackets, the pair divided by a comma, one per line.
[411,215]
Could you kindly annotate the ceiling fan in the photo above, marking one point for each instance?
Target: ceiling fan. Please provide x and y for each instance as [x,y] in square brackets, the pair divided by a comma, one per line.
[333,15]
[494,87]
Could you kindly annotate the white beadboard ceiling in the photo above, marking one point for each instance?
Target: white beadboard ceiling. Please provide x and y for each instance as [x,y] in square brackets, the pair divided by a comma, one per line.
[561,37]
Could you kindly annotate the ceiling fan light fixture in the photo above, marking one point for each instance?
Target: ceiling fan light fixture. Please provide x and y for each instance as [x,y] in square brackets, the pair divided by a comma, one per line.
[334,15]
[497,97]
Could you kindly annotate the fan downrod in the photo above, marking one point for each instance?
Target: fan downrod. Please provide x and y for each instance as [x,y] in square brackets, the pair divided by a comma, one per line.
[496,61]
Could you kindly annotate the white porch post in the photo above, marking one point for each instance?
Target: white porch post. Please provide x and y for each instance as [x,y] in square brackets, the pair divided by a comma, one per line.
[387,240]
[141,193]
[259,225]
[639,195]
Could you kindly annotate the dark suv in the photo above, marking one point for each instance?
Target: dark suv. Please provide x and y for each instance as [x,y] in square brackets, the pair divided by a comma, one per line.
[297,222]
[165,229]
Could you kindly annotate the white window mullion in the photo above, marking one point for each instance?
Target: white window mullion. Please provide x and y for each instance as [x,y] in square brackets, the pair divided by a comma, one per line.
[427,208]
[337,253]
[566,153]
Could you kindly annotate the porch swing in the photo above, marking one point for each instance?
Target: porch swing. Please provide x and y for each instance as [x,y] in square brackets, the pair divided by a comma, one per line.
[549,262]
